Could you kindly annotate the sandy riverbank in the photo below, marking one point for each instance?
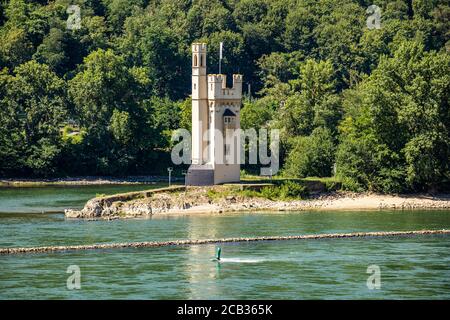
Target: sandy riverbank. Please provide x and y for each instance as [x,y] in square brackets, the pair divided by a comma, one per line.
[337,201]
[198,200]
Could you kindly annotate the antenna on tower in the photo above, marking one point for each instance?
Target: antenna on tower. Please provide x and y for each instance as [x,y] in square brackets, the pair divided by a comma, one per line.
[220,57]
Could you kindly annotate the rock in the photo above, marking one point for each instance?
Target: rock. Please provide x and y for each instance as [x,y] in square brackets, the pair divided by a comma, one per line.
[69,213]
[231,199]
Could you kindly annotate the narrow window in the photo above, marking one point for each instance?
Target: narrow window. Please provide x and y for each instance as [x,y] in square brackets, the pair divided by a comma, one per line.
[227,149]
[195,60]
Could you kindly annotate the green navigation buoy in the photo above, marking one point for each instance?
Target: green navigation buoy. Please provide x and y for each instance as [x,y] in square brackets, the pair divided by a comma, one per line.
[219,251]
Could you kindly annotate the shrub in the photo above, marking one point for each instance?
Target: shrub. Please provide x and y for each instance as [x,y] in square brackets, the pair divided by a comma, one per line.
[311,155]
[270,192]
[290,189]
[287,190]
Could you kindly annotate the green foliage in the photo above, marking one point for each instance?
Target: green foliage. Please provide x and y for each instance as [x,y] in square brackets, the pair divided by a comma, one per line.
[288,190]
[186,114]
[72,135]
[108,100]
[120,126]
[104,99]
[15,48]
[312,102]
[292,190]
[165,118]
[149,43]
[396,134]
[212,194]
[31,108]
[256,114]
[311,155]
[52,51]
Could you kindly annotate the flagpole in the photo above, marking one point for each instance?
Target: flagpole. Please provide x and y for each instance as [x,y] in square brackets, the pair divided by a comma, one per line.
[220,57]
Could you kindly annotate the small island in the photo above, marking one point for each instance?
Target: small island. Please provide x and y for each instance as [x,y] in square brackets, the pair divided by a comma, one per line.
[252,197]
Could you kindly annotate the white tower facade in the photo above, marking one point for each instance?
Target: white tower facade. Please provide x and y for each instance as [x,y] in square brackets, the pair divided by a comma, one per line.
[199,102]
[215,124]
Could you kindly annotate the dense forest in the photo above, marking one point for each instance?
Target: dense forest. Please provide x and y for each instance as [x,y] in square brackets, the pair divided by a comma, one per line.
[367,105]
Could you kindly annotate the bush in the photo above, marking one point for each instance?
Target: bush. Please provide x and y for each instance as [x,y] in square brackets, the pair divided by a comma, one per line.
[363,164]
[312,155]
[290,189]
[332,185]
[269,193]
[287,190]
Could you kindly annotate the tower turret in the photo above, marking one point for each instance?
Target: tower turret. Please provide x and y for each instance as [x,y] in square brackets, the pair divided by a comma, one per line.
[237,85]
[199,90]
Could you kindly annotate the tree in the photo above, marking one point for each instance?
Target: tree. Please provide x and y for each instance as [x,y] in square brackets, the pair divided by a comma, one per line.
[299,33]
[278,68]
[149,43]
[164,117]
[186,114]
[52,51]
[128,70]
[233,55]
[108,98]
[337,38]
[398,123]
[313,102]
[119,10]
[256,114]
[311,155]
[120,127]
[33,108]
[15,48]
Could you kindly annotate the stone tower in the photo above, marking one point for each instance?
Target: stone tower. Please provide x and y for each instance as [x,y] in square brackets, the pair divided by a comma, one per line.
[215,124]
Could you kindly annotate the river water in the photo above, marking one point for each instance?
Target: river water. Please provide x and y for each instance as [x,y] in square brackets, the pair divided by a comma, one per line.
[410,267]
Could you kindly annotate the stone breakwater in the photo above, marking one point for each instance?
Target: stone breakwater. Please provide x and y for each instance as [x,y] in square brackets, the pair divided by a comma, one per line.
[155,244]
[220,199]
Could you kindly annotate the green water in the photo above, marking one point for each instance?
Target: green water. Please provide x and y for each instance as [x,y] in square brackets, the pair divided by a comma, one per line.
[58,198]
[411,267]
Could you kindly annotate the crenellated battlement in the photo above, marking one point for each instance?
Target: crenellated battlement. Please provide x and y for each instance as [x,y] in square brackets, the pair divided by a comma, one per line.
[217,87]
[238,78]
[220,79]
[199,47]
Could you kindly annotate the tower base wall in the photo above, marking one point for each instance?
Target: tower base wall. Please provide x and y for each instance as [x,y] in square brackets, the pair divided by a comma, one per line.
[227,173]
[200,175]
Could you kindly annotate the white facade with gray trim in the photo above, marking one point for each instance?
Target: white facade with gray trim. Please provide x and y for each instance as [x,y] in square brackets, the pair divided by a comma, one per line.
[215,124]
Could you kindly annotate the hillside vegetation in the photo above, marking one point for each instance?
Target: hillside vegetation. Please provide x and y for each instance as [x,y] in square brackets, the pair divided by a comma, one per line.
[369,106]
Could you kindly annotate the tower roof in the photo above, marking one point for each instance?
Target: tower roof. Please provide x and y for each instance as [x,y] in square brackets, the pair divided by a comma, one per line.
[229,113]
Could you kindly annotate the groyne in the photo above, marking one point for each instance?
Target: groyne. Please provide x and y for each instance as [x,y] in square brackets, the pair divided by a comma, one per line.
[154,244]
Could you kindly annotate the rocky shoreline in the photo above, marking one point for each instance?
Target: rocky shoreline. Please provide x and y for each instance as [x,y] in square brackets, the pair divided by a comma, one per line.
[195,200]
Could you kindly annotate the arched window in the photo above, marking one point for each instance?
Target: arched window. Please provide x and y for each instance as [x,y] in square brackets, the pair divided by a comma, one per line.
[201,60]
[195,61]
